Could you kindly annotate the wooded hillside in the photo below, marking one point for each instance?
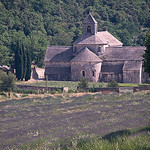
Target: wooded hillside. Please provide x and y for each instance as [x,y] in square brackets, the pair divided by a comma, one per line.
[38,23]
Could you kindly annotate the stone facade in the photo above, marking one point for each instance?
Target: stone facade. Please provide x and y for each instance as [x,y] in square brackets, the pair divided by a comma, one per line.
[96,56]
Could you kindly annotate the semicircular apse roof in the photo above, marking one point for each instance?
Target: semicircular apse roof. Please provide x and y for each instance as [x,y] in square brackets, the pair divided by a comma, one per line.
[86,56]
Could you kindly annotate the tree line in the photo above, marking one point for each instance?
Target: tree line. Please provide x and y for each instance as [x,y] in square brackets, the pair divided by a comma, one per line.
[38,23]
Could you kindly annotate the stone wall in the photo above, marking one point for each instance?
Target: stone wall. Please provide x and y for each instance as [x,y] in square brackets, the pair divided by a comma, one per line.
[58,71]
[141,88]
[107,89]
[131,76]
[91,71]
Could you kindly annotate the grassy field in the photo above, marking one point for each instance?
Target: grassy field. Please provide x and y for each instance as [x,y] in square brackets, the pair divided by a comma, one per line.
[73,84]
[70,84]
[76,121]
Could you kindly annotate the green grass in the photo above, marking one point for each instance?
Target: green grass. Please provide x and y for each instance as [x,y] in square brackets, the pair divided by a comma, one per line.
[73,84]
[124,142]
[70,84]
[140,142]
[128,84]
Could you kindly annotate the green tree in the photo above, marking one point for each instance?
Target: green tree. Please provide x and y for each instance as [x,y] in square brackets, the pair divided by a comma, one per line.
[113,83]
[4,55]
[28,70]
[19,61]
[83,84]
[24,62]
[7,82]
[146,55]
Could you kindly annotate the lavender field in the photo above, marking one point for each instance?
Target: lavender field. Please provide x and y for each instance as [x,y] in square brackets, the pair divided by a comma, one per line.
[51,121]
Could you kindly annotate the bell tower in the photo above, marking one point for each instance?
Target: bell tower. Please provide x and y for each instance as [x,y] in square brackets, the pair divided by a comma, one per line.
[89,25]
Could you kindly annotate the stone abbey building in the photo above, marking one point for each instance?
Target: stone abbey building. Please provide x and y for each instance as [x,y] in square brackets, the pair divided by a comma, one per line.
[96,56]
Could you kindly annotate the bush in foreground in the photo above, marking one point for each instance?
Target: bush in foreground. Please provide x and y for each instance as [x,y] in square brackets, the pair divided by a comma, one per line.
[113,83]
[7,82]
[83,84]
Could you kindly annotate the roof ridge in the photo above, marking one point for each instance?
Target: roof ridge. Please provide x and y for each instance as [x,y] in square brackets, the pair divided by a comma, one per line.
[89,18]
[86,56]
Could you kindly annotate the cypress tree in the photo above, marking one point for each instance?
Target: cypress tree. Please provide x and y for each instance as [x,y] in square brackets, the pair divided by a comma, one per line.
[147,54]
[19,61]
[16,58]
[28,70]
[24,57]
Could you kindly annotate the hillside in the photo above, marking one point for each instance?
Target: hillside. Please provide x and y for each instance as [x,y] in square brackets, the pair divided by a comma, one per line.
[59,22]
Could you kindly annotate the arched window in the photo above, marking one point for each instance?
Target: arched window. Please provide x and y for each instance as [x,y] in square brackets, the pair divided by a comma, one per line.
[83,73]
[88,29]
[94,73]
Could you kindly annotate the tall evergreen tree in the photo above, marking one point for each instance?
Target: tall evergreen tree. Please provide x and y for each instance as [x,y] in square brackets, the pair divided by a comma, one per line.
[28,71]
[147,54]
[24,62]
[19,61]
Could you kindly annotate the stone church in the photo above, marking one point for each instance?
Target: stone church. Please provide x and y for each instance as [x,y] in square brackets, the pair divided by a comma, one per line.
[96,56]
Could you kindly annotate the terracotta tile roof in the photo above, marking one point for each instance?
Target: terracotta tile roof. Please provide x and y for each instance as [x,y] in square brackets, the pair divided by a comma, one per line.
[124,53]
[58,54]
[86,56]
[132,65]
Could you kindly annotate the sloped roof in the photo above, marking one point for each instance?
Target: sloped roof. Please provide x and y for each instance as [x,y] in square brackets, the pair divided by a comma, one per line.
[89,18]
[86,56]
[106,37]
[124,53]
[58,54]
[103,37]
[132,65]
[89,39]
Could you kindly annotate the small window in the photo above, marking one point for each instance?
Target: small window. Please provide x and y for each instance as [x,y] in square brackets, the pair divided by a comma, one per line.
[94,73]
[83,73]
[88,29]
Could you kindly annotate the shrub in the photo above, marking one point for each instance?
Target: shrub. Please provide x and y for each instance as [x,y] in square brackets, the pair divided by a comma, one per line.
[71,91]
[113,83]
[7,82]
[59,90]
[92,89]
[83,84]
[52,92]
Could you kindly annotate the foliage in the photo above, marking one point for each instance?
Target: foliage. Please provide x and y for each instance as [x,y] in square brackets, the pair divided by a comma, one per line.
[58,22]
[121,143]
[28,70]
[147,54]
[83,84]
[113,83]
[19,62]
[22,62]
[7,82]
